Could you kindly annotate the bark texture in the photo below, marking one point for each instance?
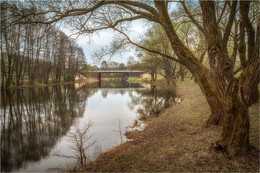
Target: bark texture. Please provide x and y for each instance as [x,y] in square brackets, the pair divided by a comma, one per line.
[235,135]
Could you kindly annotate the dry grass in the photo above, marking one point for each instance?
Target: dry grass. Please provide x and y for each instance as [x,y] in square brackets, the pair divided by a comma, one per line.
[36,84]
[179,141]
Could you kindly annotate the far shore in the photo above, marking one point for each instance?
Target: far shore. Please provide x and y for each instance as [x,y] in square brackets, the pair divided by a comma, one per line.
[90,80]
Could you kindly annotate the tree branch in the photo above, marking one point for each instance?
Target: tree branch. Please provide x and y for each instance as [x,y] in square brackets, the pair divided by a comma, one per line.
[244,11]
[192,18]
[140,5]
[235,47]
[230,22]
[251,76]
[146,15]
[59,16]
[149,50]
[222,12]
[111,25]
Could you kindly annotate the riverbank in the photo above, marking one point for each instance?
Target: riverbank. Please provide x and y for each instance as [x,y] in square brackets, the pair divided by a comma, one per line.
[27,85]
[139,80]
[159,80]
[178,140]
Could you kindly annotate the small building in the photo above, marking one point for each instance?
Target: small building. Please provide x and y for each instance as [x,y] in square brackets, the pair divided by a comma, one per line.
[80,77]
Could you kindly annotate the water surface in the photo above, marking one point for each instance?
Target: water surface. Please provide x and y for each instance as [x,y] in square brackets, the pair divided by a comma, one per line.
[36,122]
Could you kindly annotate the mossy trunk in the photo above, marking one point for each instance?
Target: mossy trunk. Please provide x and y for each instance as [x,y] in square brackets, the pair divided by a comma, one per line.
[235,136]
[226,95]
[217,107]
[254,96]
[232,113]
[217,115]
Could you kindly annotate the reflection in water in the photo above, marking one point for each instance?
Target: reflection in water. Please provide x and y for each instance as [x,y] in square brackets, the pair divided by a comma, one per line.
[113,84]
[80,142]
[153,101]
[32,121]
[36,121]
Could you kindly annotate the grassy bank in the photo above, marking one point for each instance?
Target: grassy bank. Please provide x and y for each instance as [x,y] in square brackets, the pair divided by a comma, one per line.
[179,141]
[28,85]
[146,80]
[138,80]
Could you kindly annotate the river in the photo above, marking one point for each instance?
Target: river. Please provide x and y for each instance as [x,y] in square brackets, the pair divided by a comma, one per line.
[36,123]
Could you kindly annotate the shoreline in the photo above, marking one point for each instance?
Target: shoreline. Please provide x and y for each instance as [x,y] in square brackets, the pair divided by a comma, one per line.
[50,84]
[178,140]
[91,80]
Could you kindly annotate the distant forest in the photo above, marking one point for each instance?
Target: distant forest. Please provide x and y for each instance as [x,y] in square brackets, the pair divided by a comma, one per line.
[36,53]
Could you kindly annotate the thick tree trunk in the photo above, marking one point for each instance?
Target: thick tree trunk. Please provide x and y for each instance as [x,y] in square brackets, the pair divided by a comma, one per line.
[199,71]
[235,136]
[217,115]
[226,95]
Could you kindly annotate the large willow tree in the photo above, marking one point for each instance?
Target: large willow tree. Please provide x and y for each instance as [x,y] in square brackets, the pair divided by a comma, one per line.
[228,96]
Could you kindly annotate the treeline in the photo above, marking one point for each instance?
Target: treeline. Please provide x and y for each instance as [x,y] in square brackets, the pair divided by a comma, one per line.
[36,53]
[112,65]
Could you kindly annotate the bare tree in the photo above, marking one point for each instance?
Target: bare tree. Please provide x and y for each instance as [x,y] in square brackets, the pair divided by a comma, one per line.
[36,52]
[119,132]
[80,142]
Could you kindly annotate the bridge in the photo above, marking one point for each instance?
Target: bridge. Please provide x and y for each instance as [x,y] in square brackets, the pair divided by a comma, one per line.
[125,73]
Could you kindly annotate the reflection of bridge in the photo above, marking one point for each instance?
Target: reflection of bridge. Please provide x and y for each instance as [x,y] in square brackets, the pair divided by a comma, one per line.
[125,73]
[117,84]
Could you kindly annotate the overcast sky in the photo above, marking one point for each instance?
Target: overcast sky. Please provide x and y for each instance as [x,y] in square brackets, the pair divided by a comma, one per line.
[95,42]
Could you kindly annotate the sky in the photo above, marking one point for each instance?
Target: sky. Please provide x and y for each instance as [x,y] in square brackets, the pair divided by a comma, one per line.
[94,42]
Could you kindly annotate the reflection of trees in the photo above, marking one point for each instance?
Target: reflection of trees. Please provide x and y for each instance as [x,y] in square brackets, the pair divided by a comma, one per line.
[34,119]
[114,84]
[104,93]
[153,101]
[80,142]
[117,84]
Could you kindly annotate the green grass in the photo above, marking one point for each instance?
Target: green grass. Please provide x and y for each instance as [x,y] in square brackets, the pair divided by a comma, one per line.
[138,80]
[146,80]
[178,140]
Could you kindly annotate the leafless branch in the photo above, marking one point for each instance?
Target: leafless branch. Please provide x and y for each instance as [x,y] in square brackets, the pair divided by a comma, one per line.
[192,18]
[31,17]
[119,131]
[149,50]
[80,141]
[222,12]
[230,22]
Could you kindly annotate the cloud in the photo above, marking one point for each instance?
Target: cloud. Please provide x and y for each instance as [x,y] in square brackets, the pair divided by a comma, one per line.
[94,42]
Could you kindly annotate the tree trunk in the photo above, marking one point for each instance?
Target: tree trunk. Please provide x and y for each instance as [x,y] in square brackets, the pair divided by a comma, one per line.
[201,74]
[153,76]
[227,96]
[217,115]
[168,80]
[235,136]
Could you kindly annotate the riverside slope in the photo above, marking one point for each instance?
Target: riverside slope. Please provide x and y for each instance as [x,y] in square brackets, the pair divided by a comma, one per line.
[178,140]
